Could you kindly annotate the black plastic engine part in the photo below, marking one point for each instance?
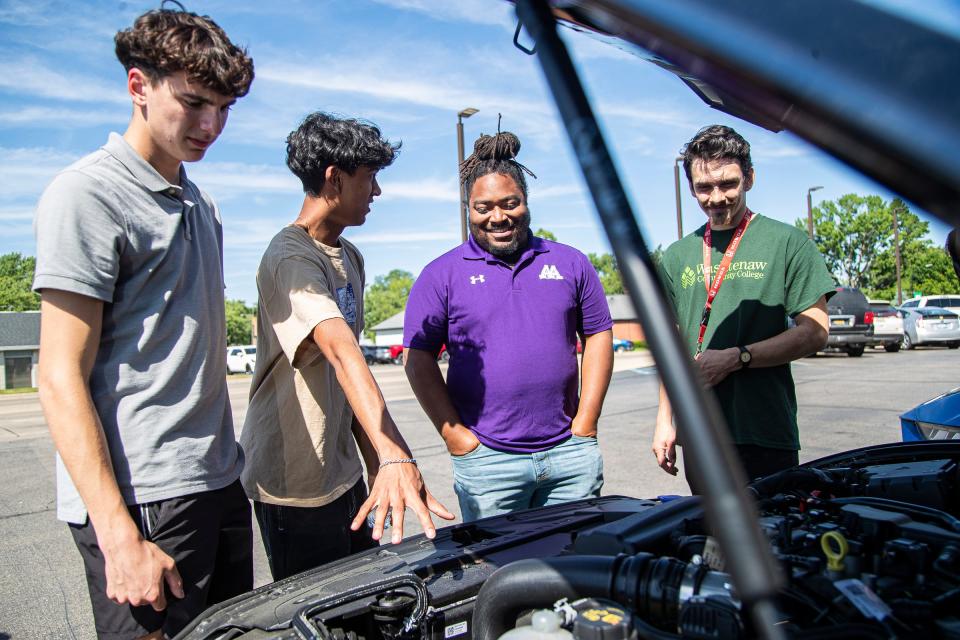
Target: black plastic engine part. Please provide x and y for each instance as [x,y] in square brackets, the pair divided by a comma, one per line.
[637,532]
[929,482]
[710,619]
[390,610]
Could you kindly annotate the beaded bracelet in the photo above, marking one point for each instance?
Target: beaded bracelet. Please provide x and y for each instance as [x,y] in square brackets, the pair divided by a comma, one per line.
[398,461]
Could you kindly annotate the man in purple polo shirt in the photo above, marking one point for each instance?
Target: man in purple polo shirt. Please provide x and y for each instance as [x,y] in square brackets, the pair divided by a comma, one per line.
[509,307]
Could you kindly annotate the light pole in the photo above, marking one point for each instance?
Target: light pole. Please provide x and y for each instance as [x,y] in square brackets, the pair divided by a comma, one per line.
[676,184]
[896,251]
[466,113]
[810,210]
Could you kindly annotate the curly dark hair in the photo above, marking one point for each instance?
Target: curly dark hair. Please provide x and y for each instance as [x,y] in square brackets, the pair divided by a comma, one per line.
[163,41]
[494,154]
[323,140]
[716,142]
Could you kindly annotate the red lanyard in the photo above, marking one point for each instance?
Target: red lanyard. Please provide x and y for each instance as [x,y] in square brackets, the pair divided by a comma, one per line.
[714,288]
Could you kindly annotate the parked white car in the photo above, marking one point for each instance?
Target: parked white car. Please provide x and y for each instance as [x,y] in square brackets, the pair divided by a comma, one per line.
[930,325]
[241,359]
[950,302]
[887,325]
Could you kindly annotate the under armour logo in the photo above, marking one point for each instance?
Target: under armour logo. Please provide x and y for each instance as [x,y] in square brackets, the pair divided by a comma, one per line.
[476,279]
[549,272]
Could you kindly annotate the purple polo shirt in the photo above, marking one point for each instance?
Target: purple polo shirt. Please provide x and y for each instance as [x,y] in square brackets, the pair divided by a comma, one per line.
[512,336]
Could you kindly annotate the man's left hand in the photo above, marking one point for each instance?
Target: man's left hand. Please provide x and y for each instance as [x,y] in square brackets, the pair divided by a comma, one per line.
[584,428]
[398,486]
[717,364]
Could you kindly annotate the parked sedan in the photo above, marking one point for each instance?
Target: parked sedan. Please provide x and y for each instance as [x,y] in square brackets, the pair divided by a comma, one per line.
[930,325]
[887,325]
[619,344]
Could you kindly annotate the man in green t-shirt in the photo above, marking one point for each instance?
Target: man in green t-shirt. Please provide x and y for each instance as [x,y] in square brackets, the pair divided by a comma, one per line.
[745,348]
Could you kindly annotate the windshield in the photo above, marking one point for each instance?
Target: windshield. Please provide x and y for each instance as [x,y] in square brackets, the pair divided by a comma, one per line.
[936,311]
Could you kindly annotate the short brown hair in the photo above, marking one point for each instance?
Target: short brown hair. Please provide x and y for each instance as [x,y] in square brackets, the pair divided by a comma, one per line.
[162,42]
[717,142]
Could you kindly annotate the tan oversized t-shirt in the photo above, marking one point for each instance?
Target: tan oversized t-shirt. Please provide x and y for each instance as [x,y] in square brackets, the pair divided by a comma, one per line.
[296,437]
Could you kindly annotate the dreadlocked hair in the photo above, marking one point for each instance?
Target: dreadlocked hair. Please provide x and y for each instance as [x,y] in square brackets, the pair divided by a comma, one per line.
[494,154]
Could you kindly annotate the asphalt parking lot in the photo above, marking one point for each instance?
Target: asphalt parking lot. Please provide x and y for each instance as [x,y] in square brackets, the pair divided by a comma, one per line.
[844,403]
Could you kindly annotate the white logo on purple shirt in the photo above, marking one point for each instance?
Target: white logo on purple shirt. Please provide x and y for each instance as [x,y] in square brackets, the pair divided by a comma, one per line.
[549,272]
[476,279]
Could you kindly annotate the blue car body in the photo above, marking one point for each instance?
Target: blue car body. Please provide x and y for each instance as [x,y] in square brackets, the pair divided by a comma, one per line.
[935,419]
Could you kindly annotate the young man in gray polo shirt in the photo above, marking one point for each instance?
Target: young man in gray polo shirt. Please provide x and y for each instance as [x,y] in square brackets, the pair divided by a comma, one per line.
[132,366]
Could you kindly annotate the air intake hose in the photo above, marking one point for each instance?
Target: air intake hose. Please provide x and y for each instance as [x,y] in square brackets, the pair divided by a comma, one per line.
[647,584]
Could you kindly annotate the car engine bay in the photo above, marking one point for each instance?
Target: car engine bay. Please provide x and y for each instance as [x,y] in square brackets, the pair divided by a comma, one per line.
[868,543]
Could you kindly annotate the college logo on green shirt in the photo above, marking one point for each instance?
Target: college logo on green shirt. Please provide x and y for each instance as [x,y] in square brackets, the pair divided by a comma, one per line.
[743,269]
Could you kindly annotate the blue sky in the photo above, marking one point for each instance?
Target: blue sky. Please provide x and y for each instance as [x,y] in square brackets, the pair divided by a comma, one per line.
[407,65]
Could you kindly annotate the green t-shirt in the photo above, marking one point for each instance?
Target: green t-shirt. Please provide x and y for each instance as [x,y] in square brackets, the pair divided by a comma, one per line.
[777,271]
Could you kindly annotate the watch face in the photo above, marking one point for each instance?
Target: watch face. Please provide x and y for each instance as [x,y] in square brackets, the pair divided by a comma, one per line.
[745,356]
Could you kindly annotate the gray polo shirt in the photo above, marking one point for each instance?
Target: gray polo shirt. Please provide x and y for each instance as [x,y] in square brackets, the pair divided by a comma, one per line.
[112,228]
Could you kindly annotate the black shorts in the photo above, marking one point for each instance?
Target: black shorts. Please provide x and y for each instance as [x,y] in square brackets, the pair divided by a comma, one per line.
[209,537]
[300,538]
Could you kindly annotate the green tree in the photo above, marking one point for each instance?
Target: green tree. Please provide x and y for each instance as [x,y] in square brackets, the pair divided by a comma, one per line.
[16,278]
[657,256]
[929,271]
[385,297]
[609,271]
[855,235]
[546,235]
[239,322]
[606,266]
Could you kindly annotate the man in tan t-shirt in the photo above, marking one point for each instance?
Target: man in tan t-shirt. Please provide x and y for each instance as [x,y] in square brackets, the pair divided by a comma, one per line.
[312,393]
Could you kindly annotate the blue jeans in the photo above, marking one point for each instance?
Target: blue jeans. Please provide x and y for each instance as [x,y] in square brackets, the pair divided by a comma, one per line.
[490,482]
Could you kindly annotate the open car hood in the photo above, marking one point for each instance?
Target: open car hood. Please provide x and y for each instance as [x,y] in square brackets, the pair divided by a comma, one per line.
[872,88]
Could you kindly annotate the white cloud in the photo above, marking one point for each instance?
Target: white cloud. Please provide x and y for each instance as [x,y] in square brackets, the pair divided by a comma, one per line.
[429,87]
[25,13]
[227,179]
[250,234]
[555,191]
[25,172]
[652,114]
[15,213]
[404,237]
[29,76]
[588,223]
[86,20]
[425,189]
[52,117]
[474,11]
[779,149]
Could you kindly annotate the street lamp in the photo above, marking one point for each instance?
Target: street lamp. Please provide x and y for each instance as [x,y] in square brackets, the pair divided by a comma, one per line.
[676,184]
[810,210]
[896,252]
[466,113]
